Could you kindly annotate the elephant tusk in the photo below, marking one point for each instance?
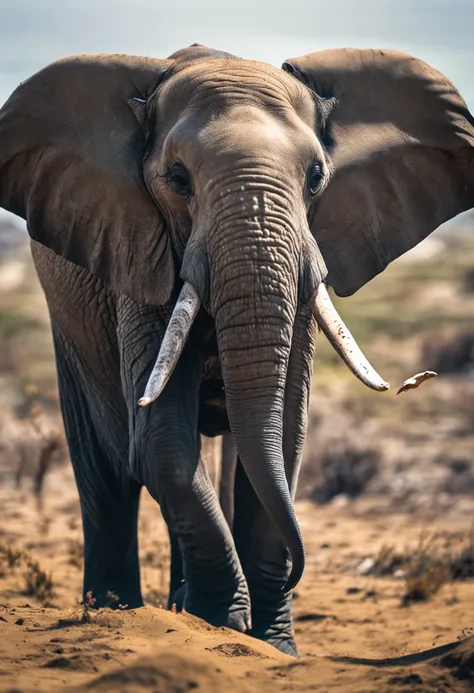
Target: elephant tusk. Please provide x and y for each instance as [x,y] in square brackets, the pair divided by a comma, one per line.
[184,313]
[343,342]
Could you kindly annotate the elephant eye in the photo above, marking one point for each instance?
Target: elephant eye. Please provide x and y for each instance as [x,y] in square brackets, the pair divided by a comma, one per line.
[314,178]
[179,179]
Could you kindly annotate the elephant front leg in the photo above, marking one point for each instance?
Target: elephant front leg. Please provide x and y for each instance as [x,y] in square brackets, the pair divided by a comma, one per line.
[95,423]
[167,461]
[165,457]
[265,560]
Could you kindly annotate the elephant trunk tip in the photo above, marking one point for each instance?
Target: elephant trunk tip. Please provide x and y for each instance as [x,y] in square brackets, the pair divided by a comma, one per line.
[297,569]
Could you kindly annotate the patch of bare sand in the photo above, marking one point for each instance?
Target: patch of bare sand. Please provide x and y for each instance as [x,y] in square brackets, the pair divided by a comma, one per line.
[156,651]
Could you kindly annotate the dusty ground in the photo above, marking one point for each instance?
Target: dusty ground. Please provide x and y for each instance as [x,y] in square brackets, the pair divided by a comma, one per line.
[339,612]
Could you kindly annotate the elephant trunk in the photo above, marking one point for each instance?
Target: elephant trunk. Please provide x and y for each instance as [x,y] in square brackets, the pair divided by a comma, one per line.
[254,294]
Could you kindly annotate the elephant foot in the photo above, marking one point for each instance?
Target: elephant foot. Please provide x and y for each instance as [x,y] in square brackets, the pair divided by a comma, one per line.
[234,615]
[281,641]
[273,624]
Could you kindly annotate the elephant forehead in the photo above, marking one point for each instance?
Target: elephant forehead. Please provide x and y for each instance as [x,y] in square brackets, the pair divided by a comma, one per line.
[218,84]
[243,126]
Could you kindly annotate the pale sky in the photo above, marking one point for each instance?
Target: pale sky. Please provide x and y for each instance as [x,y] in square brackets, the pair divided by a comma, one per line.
[35,32]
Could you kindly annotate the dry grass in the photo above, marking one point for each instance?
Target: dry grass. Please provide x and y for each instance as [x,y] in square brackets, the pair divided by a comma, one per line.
[156,597]
[10,559]
[428,569]
[388,561]
[38,583]
[462,565]
[88,606]
[88,614]
[437,559]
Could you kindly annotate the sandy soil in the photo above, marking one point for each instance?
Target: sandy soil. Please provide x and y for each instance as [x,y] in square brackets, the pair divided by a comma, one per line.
[352,631]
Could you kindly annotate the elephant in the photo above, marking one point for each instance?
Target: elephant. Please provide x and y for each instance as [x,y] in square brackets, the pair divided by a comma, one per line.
[187,217]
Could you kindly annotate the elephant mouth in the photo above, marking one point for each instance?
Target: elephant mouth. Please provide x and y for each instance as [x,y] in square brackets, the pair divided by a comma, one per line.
[324,311]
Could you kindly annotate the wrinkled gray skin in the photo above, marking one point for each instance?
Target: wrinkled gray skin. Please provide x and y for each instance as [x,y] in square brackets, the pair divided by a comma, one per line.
[220,457]
[248,134]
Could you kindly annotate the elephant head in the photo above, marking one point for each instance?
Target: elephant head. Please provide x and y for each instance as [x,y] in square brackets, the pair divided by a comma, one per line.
[255,187]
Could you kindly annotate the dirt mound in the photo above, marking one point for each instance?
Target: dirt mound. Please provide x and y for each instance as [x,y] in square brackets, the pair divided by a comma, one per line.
[169,672]
[233,649]
[77,662]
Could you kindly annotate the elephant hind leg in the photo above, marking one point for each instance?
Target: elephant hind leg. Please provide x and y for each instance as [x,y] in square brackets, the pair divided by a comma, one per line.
[176,592]
[227,477]
[97,435]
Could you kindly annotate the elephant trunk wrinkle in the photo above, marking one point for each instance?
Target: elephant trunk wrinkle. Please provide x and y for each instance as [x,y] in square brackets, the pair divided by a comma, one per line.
[254,296]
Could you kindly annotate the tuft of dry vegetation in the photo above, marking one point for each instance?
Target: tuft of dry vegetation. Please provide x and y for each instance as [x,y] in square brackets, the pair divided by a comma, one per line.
[428,569]
[88,605]
[10,558]
[88,614]
[156,597]
[462,564]
[437,559]
[38,583]
[388,561]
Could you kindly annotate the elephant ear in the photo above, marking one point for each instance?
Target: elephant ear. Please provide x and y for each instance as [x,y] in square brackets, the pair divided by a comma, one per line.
[71,151]
[402,143]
